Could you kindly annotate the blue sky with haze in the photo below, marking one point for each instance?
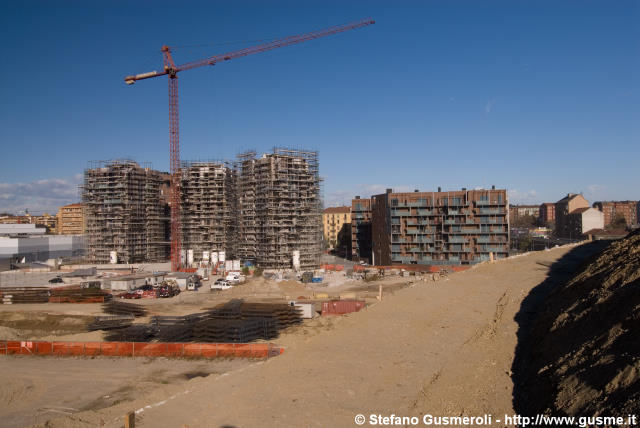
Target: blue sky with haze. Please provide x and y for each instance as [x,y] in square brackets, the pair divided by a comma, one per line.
[539,97]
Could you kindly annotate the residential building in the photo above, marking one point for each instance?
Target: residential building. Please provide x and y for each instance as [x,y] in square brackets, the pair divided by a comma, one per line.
[613,209]
[582,220]
[126,215]
[523,213]
[361,229]
[279,209]
[71,219]
[334,219]
[547,213]
[207,210]
[563,208]
[457,227]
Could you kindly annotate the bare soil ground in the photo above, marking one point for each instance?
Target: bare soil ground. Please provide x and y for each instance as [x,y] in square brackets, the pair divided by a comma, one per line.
[445,348]
[36,389]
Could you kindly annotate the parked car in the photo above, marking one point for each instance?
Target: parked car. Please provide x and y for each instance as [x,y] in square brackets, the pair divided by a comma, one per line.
[56,280]
[221,284]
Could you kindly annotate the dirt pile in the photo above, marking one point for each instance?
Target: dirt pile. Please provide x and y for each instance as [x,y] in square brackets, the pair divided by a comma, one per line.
[583,352]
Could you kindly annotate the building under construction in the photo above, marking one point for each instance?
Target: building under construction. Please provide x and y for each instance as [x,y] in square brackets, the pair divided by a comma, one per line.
[208,209]
[279,209]
[126,212]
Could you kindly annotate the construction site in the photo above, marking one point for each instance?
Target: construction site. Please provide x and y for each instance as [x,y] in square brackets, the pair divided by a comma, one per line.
[522,341]
[206,296]
[263,210]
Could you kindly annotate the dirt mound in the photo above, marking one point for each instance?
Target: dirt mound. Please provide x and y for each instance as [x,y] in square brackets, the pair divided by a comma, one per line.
[583,353]
[37,324]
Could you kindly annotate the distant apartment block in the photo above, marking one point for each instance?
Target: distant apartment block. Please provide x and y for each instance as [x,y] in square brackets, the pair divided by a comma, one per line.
[71,220]
[458,227]
[47,220]
[519,211]
[361,229]
[613,209]
[334,220]
[547,213]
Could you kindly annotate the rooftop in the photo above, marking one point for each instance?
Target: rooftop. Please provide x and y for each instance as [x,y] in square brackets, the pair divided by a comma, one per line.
[337,210]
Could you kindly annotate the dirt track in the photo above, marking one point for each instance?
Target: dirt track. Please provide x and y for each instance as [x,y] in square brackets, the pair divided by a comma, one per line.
[443,348]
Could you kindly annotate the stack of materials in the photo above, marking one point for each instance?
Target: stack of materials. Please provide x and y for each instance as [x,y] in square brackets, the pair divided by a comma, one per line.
[12,295]
[233,322]
[79,295]
[123,308]
[133,333]
[234,330]
[111,322]
[282,314]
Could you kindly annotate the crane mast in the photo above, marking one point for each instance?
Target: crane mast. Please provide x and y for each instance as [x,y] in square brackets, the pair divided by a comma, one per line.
[171,70]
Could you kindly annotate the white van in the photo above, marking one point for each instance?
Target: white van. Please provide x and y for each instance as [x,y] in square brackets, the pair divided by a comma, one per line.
[235,278]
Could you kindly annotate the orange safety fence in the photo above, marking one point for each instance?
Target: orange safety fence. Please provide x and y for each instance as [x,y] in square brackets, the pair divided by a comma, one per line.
[336,268]
[141,349]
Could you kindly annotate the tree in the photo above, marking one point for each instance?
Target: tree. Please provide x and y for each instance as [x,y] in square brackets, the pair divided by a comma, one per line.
[619,222]
[524,244]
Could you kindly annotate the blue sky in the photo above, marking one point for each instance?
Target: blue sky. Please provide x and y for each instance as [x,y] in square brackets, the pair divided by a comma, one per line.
[539,97]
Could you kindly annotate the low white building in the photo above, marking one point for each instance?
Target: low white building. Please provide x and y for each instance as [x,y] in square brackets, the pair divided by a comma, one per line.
[582,220]
[31,247]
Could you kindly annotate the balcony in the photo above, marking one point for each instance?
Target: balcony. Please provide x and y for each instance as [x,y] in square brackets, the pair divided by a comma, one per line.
[458,240]
[490,211]
[424,212]
[399,213]
[401,259]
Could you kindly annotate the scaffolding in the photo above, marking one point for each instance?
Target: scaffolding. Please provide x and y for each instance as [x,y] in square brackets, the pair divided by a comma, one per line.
[208,208]
[279,208]
[264,209]
[125,212]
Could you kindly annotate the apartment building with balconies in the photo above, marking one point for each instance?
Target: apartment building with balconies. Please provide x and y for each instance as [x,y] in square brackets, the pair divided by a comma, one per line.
[430,228]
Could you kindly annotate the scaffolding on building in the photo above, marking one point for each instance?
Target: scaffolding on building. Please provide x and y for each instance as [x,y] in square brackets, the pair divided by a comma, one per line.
[125,212]
[279,208]
[208,208]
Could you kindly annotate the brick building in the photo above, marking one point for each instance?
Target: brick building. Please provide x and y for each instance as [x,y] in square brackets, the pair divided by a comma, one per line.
[458,227]
[612,209]
[547,213]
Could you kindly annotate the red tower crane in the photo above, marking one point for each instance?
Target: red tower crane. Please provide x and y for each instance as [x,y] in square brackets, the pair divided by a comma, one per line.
[171,69]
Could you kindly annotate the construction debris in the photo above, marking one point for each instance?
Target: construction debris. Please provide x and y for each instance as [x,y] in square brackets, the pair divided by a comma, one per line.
[12,295]
[110,322]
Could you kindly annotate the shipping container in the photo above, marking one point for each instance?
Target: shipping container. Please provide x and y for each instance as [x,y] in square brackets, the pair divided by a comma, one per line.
[340,307]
